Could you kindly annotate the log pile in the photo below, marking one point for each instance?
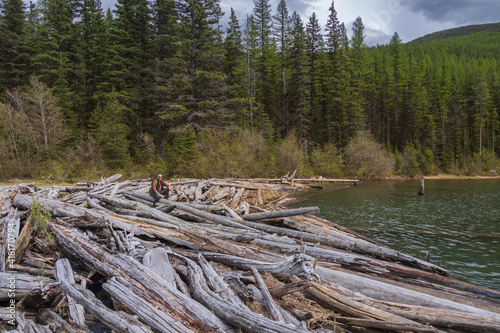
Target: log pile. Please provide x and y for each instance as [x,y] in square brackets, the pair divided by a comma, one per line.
[217,256]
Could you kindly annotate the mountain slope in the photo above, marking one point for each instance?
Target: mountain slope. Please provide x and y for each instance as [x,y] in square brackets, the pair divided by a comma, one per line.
[459,32]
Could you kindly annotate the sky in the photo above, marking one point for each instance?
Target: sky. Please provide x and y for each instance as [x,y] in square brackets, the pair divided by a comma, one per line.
[381,18]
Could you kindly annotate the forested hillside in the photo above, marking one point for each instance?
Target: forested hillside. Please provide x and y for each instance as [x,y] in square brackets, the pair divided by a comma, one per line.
[163,85]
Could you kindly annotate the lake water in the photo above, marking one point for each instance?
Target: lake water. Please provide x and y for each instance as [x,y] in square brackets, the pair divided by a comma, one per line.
[458,219]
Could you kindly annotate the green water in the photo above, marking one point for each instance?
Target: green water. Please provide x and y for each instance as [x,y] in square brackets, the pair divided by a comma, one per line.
[458,219]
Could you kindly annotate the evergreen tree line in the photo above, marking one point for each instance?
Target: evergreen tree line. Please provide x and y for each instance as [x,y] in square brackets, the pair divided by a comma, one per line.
[155,84]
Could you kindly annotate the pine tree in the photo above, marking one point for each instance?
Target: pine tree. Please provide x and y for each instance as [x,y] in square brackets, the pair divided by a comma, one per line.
[14,63]
[251,51]
[233,49]
[55,60]
[111,131]
[360,69]
[333,116]
[263,24]
[281,29]
[91,50]
[201,92]
[398,76]
[298,92]
[314,42]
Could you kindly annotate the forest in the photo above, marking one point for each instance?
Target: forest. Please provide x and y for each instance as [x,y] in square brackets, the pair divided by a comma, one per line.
[165,86]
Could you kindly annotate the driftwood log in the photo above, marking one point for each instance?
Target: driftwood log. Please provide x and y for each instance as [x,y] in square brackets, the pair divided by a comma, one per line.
[217,256]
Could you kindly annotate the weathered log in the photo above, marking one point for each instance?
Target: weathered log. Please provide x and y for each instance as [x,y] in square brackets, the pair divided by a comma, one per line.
[59,209]
[238,316]
[16,285]
[142,278]
[388,292]
[58,324]
[440,318]
[9,232]
[346,242]
[385,325]
[207,243]
[298,264]
[268,299]
[149,313]
[236,198]
[298,286]
[280,213]
[23,239]
[76,312]
[118,321]
[353,308]
[157,260]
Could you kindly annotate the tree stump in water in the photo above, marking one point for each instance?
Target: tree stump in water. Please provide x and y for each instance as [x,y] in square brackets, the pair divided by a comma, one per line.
[421,190]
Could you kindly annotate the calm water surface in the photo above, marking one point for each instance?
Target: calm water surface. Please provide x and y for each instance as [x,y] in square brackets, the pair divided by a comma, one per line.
[458,219]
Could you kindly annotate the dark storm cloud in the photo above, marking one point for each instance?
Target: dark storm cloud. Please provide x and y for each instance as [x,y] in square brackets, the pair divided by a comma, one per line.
[461,12]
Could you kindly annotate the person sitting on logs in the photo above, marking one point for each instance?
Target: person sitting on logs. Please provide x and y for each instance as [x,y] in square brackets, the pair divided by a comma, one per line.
[159,189]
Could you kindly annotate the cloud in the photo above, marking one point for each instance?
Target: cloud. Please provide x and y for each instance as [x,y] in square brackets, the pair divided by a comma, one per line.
[460,12]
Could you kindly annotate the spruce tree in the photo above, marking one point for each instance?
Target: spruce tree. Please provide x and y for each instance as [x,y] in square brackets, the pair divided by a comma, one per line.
[398,77]
[55,60]
[200,96]
[14,62]
[281,29]
[91,51]
[298,92]
[314,42]
[360,72]
[263,23]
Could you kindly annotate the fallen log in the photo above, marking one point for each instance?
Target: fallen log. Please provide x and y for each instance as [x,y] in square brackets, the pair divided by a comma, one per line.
[118,321]
[280,213]
[143,279]
[64,273]
[388,292]
[59,209]
[440,318]
[58,324]
[353,308]
[16,285]
[238,316]
[385,325]
[152,315]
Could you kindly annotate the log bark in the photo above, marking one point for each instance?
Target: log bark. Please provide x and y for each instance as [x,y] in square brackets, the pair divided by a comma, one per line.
[268,299]
[24,239]
[58,324]
[16,285]
[118,321]
[153,315]
[76,312]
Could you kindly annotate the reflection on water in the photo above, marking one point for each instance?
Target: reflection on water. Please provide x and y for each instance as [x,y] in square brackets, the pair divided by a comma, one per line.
[458,219]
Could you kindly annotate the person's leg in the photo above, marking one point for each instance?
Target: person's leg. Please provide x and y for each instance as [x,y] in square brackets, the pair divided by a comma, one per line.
[156,197]
[165,192]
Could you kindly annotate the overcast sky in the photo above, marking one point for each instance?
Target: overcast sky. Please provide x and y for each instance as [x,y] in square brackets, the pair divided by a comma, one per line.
[409,18]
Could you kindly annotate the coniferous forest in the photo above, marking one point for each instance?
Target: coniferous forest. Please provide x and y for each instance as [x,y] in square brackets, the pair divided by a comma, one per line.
[165,85]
